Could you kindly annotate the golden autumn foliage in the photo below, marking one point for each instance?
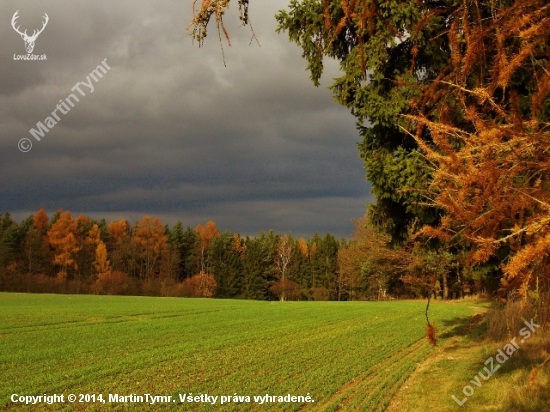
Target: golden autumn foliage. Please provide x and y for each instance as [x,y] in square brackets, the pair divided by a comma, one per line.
[302,246]
[63,240]
[93,237]
[83,221]
[492,165]
[204,285]
[313,249]
[208,8]
[40,221]
[238,245]
[216,9]
[206,234]
[101,263]
[431,334]
[151,244]
[117,229]
[368,261]
[479,115]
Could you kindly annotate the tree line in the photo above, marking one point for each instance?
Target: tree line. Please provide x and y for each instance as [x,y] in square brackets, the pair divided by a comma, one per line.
[82,255]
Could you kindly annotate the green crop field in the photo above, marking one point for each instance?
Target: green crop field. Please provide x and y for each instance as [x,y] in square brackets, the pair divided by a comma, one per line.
[350,355]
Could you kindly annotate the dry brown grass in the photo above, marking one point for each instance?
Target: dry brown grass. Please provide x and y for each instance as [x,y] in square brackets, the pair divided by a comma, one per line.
[504,323]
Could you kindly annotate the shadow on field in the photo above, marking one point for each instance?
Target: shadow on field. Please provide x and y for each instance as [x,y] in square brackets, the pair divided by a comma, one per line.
[474,327]
[527,375]
[533,398]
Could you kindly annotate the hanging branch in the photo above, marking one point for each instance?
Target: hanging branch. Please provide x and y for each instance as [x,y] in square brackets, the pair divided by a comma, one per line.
[216,8]
[430,328]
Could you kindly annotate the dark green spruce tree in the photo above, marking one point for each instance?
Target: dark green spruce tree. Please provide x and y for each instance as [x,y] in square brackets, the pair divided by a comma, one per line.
[388,51]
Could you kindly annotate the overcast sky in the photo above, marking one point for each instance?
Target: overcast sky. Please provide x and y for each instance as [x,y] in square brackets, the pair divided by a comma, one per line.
[169,131]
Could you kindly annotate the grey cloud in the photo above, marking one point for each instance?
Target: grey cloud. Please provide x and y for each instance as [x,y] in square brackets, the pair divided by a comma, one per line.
[169,131]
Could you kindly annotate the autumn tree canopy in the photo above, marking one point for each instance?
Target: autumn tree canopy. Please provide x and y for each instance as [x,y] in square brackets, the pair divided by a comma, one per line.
[492,164]
[206,234]
[452,102]
[62,238]
[151,245]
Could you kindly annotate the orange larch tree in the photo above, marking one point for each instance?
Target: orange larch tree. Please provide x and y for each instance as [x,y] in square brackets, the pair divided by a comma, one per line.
[120,248]
[93,237]
[101,263]
[63,239]
[492,162]
[40,221]
[239,245]
[151,244]
[302,246]
[117,230]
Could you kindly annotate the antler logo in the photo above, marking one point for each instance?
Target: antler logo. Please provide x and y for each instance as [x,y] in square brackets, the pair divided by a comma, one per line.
[29,40]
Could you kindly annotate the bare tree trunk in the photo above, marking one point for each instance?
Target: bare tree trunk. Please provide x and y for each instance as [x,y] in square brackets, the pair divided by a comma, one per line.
[445,287]
[283,291]
[459,281]
[284,255]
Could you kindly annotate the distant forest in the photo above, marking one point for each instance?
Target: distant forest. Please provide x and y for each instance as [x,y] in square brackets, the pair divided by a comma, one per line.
[82,255]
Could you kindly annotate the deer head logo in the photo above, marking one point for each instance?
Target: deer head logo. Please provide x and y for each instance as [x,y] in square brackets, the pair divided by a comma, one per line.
[29,40]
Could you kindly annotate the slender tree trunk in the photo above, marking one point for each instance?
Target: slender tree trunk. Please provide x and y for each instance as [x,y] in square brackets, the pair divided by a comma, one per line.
[283,291]
[459,281]
[30,259]
[202,258]
[445,287]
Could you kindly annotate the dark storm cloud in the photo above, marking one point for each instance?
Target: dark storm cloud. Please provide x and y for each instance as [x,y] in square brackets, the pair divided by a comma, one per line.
[169,131]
